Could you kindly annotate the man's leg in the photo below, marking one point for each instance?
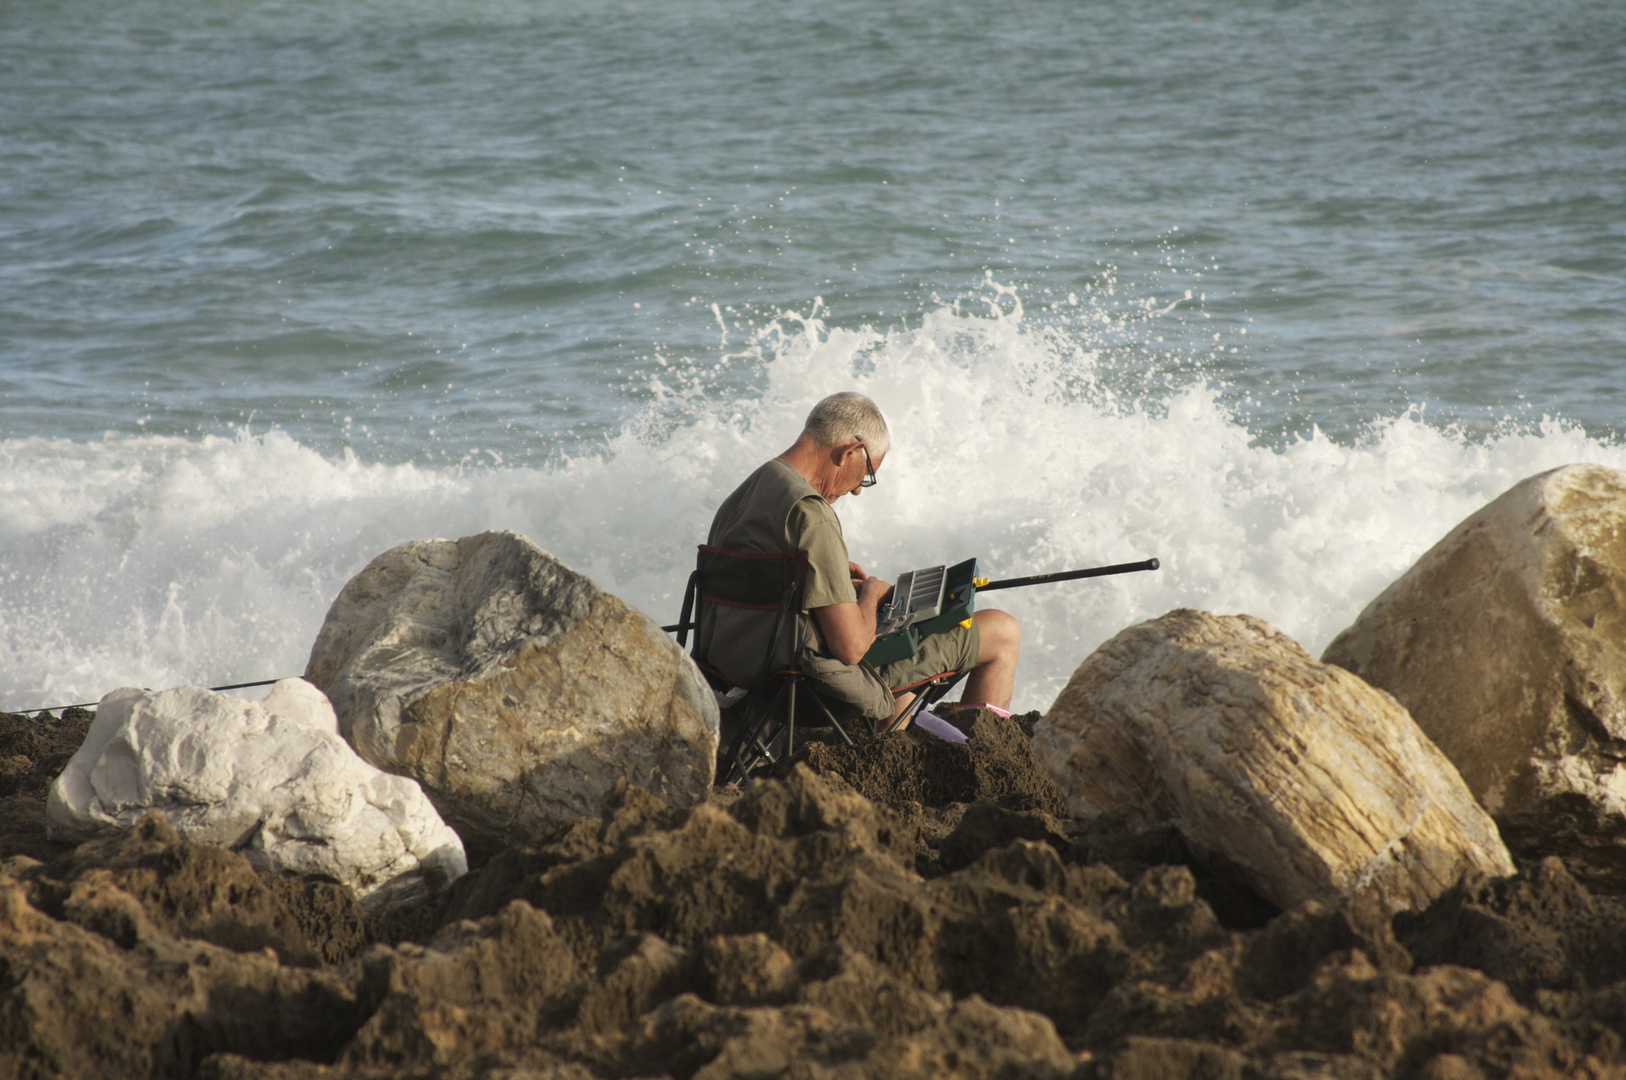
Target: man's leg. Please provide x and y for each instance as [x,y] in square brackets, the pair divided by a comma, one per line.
[994,677]
[950,651]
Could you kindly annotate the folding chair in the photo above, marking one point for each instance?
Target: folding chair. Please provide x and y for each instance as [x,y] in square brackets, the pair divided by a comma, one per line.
[757,731]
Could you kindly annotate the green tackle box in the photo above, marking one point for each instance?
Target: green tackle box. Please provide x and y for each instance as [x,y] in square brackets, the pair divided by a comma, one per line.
[959,601]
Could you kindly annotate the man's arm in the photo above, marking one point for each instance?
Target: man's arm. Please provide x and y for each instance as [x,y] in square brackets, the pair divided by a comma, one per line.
[849,629]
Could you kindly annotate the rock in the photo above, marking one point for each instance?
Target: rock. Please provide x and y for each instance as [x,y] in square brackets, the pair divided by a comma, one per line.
[78,1003]
[271,779]
[1507,642]
[514,689]
[1316,785]
[184,890]
[783,935]
[477,988]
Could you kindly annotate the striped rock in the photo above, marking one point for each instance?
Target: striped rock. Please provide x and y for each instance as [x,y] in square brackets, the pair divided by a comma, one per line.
[1317,785]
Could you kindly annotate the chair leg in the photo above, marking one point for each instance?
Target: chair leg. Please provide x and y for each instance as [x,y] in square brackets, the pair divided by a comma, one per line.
[727,764]
[928,694]
[790,719]
[754,743]
[830,716]
[734,764]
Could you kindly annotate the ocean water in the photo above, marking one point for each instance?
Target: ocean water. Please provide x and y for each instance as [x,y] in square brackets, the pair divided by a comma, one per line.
[1276,292]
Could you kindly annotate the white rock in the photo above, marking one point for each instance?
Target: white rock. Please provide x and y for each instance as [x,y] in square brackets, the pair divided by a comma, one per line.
[513,688]
[1507,642]
[271,779]
[1317,785]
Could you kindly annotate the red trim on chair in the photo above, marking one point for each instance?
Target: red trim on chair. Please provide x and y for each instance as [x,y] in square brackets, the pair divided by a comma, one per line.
[732,604]
[718,678]
[752,554]
[922,682]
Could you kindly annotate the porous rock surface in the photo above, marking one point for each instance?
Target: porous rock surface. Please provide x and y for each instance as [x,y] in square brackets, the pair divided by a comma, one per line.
[1507,643]
[514,689]
[779,930]
[1318,786]
[271,779]
[33,750]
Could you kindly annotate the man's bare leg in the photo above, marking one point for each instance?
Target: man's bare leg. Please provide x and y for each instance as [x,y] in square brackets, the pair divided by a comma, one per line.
[899,705]
[994,677]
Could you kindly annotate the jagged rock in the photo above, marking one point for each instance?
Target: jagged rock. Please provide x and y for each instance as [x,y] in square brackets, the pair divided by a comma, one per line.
[184,889]
[1507,642]
[783,935]
[514,689]
[476,988]
[1316,785]
[107,993]
[271,779]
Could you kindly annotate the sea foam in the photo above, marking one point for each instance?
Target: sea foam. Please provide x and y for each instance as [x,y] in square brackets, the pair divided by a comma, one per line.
[156,561]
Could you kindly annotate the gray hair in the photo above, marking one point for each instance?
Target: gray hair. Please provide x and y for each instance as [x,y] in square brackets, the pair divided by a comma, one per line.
[848,415]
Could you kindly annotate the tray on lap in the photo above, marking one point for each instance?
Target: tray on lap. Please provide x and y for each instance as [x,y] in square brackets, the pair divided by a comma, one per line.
[924,602]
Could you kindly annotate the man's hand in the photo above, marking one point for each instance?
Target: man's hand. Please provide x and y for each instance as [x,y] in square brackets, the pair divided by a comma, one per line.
[859,578]
[849,629]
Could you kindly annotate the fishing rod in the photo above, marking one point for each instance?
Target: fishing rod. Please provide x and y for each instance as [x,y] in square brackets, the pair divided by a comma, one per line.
[93,704]
[978,584]
[984,585]
[1067,575]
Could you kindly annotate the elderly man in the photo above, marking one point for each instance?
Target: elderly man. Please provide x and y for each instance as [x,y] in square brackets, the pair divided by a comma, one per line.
[785,507]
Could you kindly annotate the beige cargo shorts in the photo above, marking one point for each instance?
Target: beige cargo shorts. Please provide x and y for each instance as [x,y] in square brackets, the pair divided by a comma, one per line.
[869,691]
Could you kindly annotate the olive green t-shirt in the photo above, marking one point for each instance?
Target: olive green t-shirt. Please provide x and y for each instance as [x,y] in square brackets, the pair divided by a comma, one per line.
[775,510]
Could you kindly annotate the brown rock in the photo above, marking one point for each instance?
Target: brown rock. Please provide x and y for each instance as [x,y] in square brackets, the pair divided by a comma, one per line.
[1317,785]
[185,889]
[783,935]
[33,750]
[477,988]
[108,993]
[512,688]
[1507,643]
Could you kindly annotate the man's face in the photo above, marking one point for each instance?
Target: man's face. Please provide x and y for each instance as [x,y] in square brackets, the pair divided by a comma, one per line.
[854,472]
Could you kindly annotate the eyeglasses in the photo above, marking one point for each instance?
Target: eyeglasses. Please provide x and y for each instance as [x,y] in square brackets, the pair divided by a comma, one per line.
[869,469]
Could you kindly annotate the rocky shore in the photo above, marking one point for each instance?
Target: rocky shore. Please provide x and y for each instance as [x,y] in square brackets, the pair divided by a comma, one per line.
[912,908]
[480,838]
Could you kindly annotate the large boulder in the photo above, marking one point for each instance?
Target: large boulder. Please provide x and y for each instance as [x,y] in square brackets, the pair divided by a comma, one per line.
[271,779]
[1318,786]
[1507,642]
[513,688]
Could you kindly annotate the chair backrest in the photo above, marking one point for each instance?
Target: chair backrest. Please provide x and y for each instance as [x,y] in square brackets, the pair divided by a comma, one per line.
[766,583]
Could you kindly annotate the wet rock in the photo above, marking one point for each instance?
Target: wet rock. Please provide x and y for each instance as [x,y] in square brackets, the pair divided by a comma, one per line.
[478,987]
[779,931]
[1507,643]
[33,750]
[1398,1022]
[269,779]
[186,890]
[1315,784]
[975,1040]
[995,765]
[1541,930]
[749,969]
[109,993]
[1144,1058]
[514,689]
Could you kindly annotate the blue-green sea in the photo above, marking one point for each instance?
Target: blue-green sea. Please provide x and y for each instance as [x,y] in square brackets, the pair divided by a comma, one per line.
[1275,291]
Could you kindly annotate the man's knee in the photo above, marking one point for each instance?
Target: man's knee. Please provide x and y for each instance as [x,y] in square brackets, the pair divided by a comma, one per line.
[999,634]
